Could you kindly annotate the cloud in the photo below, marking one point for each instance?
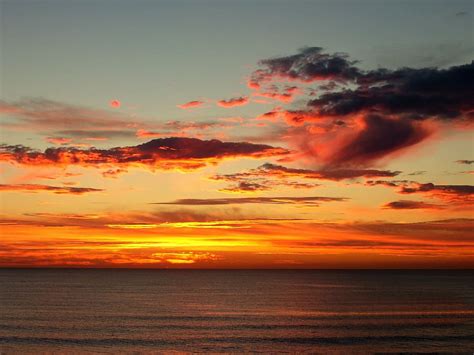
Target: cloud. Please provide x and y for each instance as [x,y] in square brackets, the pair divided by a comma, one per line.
[377,138]
[63,123]
[335,174]
[54,189]
[98,134]
[366,115]
[235,101]
[310,64]
[58,140]
[306,201]
[450,193]
[239,243]
[269,176]
[461,13]
[411,205]
[162,153]
[256,185]
[39,113]
[456,194]
[467,162]
[191,104]
[184,129]
[285,94]
[414,94]
[115,103]
[279,171]
[417,173]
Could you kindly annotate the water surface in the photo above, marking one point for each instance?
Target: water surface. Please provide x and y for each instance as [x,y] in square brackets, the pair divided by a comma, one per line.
[113,311]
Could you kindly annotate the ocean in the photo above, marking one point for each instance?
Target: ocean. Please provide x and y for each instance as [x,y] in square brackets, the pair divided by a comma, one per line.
[70,311]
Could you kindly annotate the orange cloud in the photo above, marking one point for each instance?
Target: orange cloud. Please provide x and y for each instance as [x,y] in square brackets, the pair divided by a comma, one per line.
[261,244]
[235,101]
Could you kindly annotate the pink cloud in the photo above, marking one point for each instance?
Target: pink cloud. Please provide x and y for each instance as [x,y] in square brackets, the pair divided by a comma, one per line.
[235,101]
[115,103]
[191,104]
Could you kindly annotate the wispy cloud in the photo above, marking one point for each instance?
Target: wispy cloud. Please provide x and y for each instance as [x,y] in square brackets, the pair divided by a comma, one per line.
[306,201]
[48,188]
[191,104]
[411,205]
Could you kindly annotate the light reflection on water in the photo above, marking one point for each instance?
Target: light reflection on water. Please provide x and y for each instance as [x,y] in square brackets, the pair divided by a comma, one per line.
[236,311]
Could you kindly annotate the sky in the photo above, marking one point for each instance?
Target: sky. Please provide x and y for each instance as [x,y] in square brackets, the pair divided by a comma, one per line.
[236,134]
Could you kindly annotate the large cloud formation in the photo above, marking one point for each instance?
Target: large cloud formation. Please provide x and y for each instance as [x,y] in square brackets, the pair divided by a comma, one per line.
[162,153]
[361,116]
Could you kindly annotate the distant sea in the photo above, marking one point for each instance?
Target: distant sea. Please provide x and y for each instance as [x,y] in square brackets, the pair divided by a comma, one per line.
[70,311]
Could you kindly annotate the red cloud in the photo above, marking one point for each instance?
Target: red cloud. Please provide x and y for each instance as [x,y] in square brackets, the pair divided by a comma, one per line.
[191,104]
[382,113]
[235,101]
[162,153]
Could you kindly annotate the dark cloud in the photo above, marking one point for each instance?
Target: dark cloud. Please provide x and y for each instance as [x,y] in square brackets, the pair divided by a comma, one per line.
[247,186]
[410,205]
[411,93]
[379,137]
[417,173]
[279,171]
[161,153]
[457,194]
[54,189]
[243,185]
[370,114]
[310,64]
[306,201]
[467,162]
[453,193]
[269,176]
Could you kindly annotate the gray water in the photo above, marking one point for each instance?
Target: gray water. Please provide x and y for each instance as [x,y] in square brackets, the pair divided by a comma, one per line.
[114,311]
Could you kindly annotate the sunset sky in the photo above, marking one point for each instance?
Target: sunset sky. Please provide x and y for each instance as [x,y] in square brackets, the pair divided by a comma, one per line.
[237,134]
